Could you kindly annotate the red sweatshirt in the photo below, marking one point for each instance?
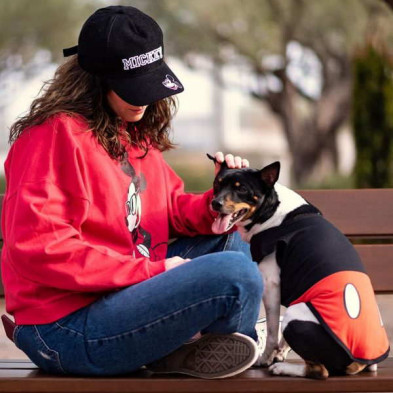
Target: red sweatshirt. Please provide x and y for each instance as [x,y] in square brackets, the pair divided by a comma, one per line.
[77,223]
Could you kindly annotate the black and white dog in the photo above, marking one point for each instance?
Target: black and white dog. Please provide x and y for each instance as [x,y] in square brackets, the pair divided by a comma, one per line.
[332,320]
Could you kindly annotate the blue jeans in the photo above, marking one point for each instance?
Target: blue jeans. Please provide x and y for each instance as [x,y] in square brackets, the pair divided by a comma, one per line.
[217,291]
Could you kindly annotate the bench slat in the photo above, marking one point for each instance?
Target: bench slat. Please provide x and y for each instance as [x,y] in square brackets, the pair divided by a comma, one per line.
[378,260]
[253,380]
[365,212]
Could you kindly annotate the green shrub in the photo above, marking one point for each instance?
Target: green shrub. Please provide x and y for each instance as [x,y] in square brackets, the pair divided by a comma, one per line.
[372,116]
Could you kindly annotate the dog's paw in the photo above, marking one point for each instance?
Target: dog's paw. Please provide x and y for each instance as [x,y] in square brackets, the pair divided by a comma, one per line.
[281,354]
[278,369]
[279,358]
[292,370]
[267,359]
[261,362]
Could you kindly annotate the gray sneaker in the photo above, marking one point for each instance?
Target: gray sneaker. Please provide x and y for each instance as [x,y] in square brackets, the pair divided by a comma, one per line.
[211,356]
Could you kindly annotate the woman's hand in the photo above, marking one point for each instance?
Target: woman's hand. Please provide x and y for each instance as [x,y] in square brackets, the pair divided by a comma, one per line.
[171,263]
[231,160]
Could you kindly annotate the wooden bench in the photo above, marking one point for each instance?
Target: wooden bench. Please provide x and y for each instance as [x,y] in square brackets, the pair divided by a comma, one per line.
[365,216]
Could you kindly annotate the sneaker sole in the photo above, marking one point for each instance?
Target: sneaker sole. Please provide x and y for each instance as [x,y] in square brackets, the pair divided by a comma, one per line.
[212,356]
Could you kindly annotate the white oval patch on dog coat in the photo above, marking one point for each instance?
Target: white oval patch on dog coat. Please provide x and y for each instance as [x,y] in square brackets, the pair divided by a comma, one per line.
[352,301]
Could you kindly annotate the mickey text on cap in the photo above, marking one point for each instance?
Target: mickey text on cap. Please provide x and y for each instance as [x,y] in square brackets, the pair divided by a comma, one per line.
[143,59]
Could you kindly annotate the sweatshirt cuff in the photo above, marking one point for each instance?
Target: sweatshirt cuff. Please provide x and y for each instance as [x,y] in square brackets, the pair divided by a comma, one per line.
[156,267]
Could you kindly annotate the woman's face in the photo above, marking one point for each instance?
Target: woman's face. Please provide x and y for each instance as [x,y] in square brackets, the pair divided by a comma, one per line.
[126,111]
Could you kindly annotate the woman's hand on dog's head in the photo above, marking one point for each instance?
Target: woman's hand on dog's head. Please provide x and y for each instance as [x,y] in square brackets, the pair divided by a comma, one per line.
[232,161]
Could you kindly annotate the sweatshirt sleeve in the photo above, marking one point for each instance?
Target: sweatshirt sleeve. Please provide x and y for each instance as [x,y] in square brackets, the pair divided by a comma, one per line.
[44,215]
[189,214]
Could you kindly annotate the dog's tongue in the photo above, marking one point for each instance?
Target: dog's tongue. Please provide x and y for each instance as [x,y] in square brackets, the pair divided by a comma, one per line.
[221,223]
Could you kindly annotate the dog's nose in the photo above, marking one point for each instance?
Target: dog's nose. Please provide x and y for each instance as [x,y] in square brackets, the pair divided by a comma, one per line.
[216,204]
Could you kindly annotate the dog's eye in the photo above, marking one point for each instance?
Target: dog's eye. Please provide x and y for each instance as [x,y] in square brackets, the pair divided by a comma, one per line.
[241,189]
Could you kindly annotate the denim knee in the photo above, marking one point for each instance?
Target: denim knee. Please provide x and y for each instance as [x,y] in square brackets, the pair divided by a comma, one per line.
[235,269]
[234,278]
[246,272]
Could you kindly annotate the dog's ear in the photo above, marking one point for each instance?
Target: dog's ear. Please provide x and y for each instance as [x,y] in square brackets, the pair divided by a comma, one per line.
[210,157]
[270,173]
[214,159]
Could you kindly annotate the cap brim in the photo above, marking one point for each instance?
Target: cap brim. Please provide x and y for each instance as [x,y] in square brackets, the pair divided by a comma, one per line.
[146,88]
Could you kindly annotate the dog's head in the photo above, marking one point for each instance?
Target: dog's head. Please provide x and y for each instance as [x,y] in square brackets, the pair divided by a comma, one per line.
[239,193]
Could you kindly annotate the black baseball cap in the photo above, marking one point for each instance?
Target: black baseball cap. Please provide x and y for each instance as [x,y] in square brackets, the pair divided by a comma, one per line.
[125,46]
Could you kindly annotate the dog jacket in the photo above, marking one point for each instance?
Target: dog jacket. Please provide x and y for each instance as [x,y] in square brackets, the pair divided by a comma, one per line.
[320,267]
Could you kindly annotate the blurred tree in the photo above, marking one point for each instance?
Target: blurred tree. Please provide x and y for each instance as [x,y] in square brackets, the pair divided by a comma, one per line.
[32,35]
[258,33]
[373,117]
[27,26]
[389,3]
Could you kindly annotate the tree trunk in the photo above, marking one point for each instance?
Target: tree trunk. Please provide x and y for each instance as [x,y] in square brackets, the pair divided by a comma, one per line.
[312,135]
[389,3]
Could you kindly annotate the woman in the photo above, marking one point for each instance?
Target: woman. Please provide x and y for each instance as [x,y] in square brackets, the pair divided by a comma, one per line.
[89,208]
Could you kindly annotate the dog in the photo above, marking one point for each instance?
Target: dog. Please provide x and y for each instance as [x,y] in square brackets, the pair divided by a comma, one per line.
[332,320]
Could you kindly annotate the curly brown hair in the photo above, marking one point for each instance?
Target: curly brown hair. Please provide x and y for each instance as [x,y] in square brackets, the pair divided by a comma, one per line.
[75,92]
